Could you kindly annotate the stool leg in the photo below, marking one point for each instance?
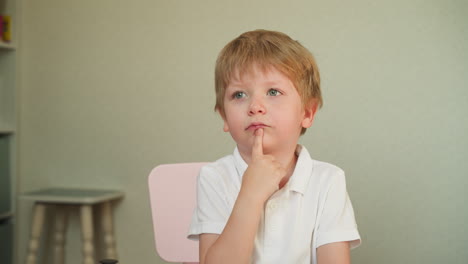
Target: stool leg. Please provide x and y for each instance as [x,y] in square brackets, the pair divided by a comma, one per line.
[86,214]
[61,219]
[36,230]
[108,228]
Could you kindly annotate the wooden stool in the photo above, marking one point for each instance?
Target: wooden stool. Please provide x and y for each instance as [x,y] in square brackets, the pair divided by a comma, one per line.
[61,199]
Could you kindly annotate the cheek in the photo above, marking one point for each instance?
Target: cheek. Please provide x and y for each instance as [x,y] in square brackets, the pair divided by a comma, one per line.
[234,113]
[289,122]
[233,124]
[288,116]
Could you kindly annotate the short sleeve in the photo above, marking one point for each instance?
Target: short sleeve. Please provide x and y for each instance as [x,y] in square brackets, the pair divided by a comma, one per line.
[212,211]
[337,222]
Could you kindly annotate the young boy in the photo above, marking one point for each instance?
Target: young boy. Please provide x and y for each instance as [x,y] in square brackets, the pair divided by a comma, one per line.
[269,202]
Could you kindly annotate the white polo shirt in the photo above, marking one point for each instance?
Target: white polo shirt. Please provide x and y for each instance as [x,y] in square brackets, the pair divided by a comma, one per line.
[311,210]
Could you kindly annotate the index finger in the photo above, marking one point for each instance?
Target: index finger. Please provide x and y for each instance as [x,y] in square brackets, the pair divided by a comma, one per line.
[257,148]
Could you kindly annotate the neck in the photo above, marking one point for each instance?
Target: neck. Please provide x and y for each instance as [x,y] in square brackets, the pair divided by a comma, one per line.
[289,166]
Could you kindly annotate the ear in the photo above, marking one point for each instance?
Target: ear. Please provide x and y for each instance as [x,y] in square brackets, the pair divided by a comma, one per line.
[309,113]
[225,126]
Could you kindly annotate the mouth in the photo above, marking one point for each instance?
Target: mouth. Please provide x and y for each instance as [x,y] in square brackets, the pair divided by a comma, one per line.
[255,125]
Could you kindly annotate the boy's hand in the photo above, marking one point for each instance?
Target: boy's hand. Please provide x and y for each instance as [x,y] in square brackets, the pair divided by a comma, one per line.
[262,177]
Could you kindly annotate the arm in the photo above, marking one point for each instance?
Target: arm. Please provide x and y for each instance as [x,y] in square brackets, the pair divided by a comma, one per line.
[235,244]
[337,230]
[334,253]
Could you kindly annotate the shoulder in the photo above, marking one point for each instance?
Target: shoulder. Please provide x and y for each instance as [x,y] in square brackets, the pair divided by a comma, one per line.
[325,174]
[325,169]
[223,169]
[317,169]
[224,164]
[222,178]
[315,176]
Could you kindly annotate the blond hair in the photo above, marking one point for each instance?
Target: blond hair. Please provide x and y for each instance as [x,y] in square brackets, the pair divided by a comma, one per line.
[267,49]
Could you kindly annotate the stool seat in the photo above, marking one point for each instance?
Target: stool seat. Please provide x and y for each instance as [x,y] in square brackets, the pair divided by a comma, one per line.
[73,196]
[63,199]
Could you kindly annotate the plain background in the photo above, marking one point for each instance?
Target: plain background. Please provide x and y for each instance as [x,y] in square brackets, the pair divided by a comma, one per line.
[110,89]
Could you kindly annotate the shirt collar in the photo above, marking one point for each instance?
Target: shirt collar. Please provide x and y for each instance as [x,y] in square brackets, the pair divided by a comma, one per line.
[300,177]
[241,165]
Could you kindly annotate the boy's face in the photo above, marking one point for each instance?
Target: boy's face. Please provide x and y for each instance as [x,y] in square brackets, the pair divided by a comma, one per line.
[265,100]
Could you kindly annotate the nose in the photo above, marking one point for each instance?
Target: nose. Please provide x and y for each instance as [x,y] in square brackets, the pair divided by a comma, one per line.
[256,107]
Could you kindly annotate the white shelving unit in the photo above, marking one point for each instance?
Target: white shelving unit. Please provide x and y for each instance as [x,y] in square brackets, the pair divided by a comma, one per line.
[8,133]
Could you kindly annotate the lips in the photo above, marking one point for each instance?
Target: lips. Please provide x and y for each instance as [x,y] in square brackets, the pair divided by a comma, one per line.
[256,125]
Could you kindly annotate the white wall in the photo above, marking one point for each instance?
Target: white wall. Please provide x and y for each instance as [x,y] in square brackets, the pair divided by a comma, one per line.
[112,88]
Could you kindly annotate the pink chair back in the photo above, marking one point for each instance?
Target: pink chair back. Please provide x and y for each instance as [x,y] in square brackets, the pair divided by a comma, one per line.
[172,189]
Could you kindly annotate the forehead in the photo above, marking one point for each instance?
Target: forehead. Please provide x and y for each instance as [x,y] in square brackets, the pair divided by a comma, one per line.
[257,73]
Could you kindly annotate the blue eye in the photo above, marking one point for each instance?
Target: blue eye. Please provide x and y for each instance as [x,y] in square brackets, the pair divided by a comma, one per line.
[238,95]
[273,92]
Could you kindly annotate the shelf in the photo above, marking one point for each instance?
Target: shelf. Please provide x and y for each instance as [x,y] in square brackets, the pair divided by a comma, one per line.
[5,216]
[8,124]
[7,46]
[6,129]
